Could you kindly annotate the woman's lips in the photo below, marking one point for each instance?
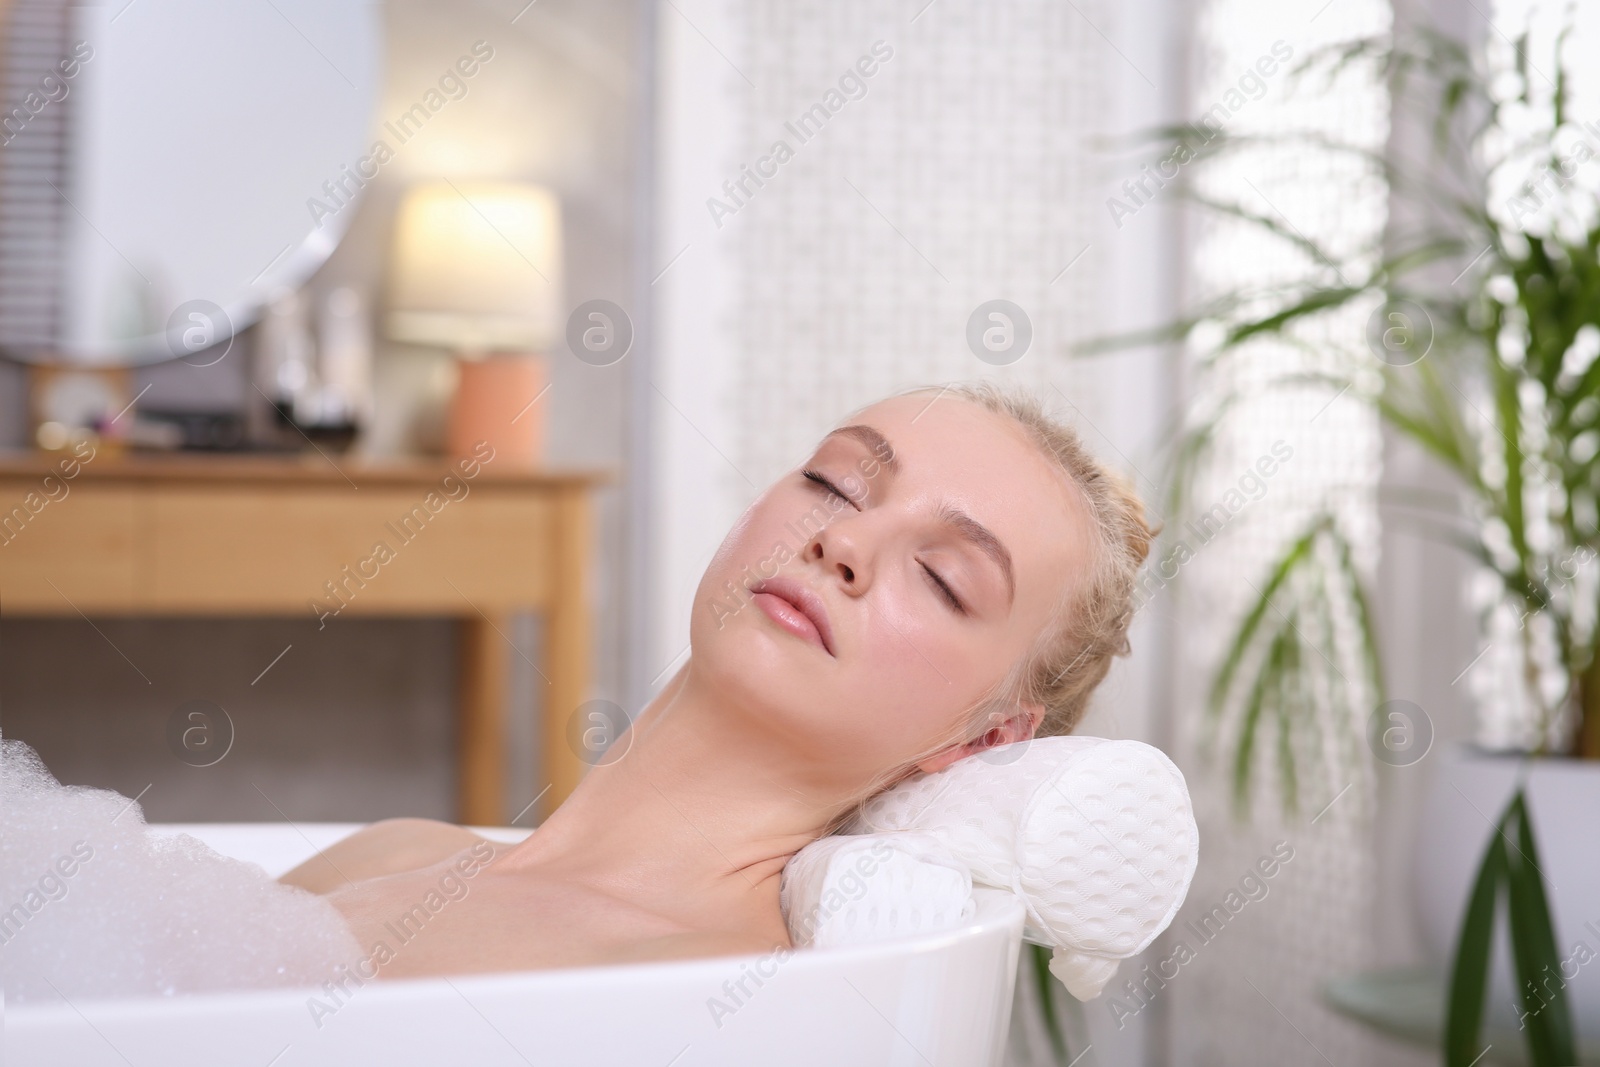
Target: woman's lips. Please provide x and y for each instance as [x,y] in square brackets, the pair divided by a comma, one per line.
[796,609]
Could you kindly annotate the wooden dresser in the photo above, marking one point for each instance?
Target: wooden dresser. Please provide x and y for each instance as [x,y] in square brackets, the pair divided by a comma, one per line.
[210,535]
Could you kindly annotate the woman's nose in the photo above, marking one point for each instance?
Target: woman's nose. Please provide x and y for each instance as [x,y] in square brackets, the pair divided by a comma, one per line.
[841,553]
[843,569]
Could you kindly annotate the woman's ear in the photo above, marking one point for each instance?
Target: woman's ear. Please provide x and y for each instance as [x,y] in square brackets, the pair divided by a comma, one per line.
[1003,729]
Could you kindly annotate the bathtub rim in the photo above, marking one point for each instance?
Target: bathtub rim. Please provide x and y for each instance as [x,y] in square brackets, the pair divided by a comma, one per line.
[998,912]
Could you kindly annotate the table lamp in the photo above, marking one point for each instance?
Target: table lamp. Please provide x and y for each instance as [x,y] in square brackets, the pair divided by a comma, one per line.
[476,267]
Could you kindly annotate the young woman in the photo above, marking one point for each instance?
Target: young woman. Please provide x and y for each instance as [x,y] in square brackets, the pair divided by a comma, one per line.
[948,571]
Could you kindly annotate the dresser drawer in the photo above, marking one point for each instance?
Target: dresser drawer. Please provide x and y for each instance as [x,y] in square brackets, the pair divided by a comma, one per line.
[159,548]
[75,550]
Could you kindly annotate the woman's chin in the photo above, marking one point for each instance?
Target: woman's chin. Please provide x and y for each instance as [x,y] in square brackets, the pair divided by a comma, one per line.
[760,664]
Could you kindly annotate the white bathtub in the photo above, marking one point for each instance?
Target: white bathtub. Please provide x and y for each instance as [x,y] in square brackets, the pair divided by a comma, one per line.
[932,1001]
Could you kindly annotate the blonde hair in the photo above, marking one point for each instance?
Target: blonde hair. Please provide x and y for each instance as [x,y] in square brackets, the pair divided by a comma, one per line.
[1073,655]
[1090,625]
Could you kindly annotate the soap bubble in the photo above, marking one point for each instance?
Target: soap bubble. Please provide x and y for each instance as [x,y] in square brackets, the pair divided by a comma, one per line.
[92,904]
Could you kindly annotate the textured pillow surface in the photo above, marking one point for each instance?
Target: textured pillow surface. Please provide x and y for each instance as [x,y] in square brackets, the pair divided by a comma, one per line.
[1096,836]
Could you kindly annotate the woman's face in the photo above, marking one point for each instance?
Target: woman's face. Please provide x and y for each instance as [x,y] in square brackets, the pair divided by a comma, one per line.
[869,599]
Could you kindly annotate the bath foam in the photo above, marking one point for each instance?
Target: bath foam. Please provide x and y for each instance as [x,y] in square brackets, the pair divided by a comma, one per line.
[93,905]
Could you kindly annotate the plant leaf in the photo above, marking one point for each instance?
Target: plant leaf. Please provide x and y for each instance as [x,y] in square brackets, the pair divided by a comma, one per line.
[1270,675]
[1551,1040]
[1245,635]
[1046,983]
[1469,975]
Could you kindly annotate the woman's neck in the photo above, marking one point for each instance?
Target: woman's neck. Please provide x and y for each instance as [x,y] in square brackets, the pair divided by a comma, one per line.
[696,816]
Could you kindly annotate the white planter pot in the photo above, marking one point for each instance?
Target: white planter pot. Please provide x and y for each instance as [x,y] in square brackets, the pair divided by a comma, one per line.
[1469,791]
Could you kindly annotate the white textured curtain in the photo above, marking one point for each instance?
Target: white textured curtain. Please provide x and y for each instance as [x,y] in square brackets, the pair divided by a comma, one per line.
[1527,193]
[794,284]
[1280,903]
[800,282]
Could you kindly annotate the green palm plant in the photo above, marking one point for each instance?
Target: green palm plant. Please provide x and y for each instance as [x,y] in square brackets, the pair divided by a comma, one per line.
[1494,375]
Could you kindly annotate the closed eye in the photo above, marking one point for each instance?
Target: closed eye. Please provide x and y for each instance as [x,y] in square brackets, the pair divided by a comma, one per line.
[934,579]
[821,479]
[944,588]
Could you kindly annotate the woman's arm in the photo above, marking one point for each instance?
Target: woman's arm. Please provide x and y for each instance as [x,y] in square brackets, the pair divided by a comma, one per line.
[385,847]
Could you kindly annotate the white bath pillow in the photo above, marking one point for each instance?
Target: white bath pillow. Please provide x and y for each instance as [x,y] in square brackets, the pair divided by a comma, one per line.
[1097,837]
[853,889]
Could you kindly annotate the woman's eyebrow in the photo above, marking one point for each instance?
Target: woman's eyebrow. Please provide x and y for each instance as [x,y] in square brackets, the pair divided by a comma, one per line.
[979,535]
[876,443]
[965,526]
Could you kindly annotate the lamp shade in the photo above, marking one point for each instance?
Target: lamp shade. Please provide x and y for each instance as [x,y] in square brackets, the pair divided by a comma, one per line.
[477,266]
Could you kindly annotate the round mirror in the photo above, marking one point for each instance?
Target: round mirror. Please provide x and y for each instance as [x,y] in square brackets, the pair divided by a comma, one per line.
[168,165]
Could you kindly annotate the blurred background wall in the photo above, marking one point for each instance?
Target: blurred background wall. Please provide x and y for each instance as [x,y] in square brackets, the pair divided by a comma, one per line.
[357,724]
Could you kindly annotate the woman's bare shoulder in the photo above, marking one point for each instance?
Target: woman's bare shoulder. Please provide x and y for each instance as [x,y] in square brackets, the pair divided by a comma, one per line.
[388,846]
